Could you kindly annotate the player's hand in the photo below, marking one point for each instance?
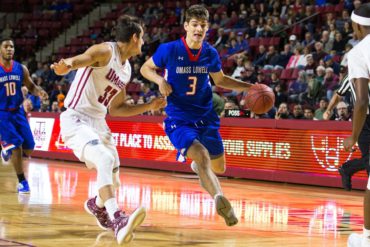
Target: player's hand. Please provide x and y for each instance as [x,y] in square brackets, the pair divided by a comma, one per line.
[165,88]
[158,103]
[348,143]
[61,68]
[43,95]
[327,114]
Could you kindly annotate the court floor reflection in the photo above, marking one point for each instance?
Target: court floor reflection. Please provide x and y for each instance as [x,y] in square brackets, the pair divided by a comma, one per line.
[179,211]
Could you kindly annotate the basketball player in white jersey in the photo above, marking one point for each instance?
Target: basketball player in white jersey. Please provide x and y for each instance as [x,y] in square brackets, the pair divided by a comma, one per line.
[103,71]
[359,74]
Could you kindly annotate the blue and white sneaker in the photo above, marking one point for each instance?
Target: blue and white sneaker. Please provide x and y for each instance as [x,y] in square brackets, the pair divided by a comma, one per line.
[5,156]
[23,187]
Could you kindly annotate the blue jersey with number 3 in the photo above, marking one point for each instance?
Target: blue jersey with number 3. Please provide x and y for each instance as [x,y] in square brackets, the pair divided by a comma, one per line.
[11,80]
[187,71]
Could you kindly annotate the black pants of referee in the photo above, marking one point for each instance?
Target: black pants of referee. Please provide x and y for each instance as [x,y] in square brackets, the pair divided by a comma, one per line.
[352,166]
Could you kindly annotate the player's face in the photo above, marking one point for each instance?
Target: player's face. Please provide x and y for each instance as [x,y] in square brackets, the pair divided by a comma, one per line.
[196,29]
[139,41]
[7,50]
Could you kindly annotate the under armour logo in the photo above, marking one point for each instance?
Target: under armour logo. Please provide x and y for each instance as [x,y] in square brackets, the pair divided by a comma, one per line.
[180,58]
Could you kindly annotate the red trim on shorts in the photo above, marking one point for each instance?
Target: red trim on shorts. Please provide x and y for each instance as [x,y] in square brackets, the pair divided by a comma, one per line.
[5,69]
[192,57]
[82,88]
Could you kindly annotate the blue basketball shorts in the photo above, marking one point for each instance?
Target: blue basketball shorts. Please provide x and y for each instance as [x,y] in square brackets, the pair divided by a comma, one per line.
[182,135]
[15,131]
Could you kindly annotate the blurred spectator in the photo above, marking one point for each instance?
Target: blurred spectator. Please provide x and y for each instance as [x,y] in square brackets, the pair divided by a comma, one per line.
[297,112]
[308,40]
[229,105]
[7,31]
[283,112]
[218,103]
[221,39]
[308,113]
[297,60]
[319,52]
[299,88]
[314,87]
[248,75]
[322,108]
[272,59]
[326,41]
[36,102]
[280,95]
[339,44]
[330,82]
[293,43]
[285,56]
[239,67]
[146,92]
[241,43]
[329,62]
[55,107]
[342,112]
[260,57]
[310,64]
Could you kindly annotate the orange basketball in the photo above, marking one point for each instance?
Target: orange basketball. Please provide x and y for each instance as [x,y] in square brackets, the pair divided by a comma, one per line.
[260,98]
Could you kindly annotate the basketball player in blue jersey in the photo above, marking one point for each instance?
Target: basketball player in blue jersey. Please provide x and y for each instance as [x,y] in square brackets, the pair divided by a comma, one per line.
[15,133]
[192,125]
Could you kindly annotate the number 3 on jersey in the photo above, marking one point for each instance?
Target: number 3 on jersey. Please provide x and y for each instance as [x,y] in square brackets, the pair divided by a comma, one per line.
[109,92]
[193,85]
[10,88]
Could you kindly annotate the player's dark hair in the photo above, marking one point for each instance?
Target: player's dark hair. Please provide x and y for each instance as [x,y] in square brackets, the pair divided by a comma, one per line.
[363,10]
[6,39]
[126,27]
[198,12]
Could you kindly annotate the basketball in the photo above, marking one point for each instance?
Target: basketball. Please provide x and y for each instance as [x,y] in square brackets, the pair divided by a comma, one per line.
[260,98]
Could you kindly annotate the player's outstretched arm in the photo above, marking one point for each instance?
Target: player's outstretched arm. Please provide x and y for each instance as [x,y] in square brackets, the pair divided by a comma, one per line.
[119,108]
[97,55]
[333,102]
[31,86]
[224,81]
[149,71]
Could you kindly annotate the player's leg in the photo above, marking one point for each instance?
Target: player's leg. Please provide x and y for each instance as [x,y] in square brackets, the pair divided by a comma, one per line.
[11,141]
[218,163]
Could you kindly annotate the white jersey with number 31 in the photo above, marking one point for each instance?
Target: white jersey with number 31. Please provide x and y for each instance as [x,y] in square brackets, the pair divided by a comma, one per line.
[93,88]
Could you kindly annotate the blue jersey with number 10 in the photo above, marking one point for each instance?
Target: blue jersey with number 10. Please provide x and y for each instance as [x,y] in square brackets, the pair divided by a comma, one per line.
[187,71]
[11,80]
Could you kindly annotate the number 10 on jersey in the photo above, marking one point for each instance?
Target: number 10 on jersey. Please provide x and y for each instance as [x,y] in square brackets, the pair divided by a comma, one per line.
[10,88]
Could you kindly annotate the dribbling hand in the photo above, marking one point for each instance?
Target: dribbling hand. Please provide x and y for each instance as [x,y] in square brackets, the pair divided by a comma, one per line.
[158,103]
[165,88]
[61,68]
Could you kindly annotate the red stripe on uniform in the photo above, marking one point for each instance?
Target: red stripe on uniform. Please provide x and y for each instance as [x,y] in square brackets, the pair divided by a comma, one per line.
[83,86]
[78,86]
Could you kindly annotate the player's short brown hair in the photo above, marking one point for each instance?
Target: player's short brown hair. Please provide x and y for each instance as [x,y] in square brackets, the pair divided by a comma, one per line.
[126,27]
[198,12]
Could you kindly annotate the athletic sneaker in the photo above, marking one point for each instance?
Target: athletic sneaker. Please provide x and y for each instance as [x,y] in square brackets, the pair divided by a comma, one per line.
[5,156]
[23,187]
[356,240]
[124,225]
[225,210]
[101,214]
[346,179]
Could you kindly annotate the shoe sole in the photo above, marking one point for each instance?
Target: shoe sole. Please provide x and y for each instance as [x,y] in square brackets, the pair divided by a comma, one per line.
[126,234]
[225,210]
[97,221]
[25,192]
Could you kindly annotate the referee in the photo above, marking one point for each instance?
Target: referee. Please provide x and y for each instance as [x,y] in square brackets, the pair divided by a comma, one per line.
[352,166]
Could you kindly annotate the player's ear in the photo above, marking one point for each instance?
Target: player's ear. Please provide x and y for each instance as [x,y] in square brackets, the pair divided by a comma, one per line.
[186,25]
[135,37]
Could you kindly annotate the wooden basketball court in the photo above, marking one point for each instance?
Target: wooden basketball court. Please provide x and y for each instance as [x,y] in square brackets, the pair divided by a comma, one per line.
[180,213]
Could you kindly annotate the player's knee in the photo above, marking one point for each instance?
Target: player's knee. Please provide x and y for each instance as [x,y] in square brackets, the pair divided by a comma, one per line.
[219,168]
[27,152]
[203,159]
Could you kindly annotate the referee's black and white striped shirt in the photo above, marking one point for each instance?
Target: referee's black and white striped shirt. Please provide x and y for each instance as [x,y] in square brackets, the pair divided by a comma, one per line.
[345,85]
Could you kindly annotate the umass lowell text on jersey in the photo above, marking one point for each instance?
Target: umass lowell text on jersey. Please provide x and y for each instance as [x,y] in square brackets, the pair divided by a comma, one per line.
[188,74]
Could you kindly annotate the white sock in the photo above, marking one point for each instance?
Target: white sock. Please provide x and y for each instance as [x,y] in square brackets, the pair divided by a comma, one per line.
[99,202]
[111,206]
[220,194]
